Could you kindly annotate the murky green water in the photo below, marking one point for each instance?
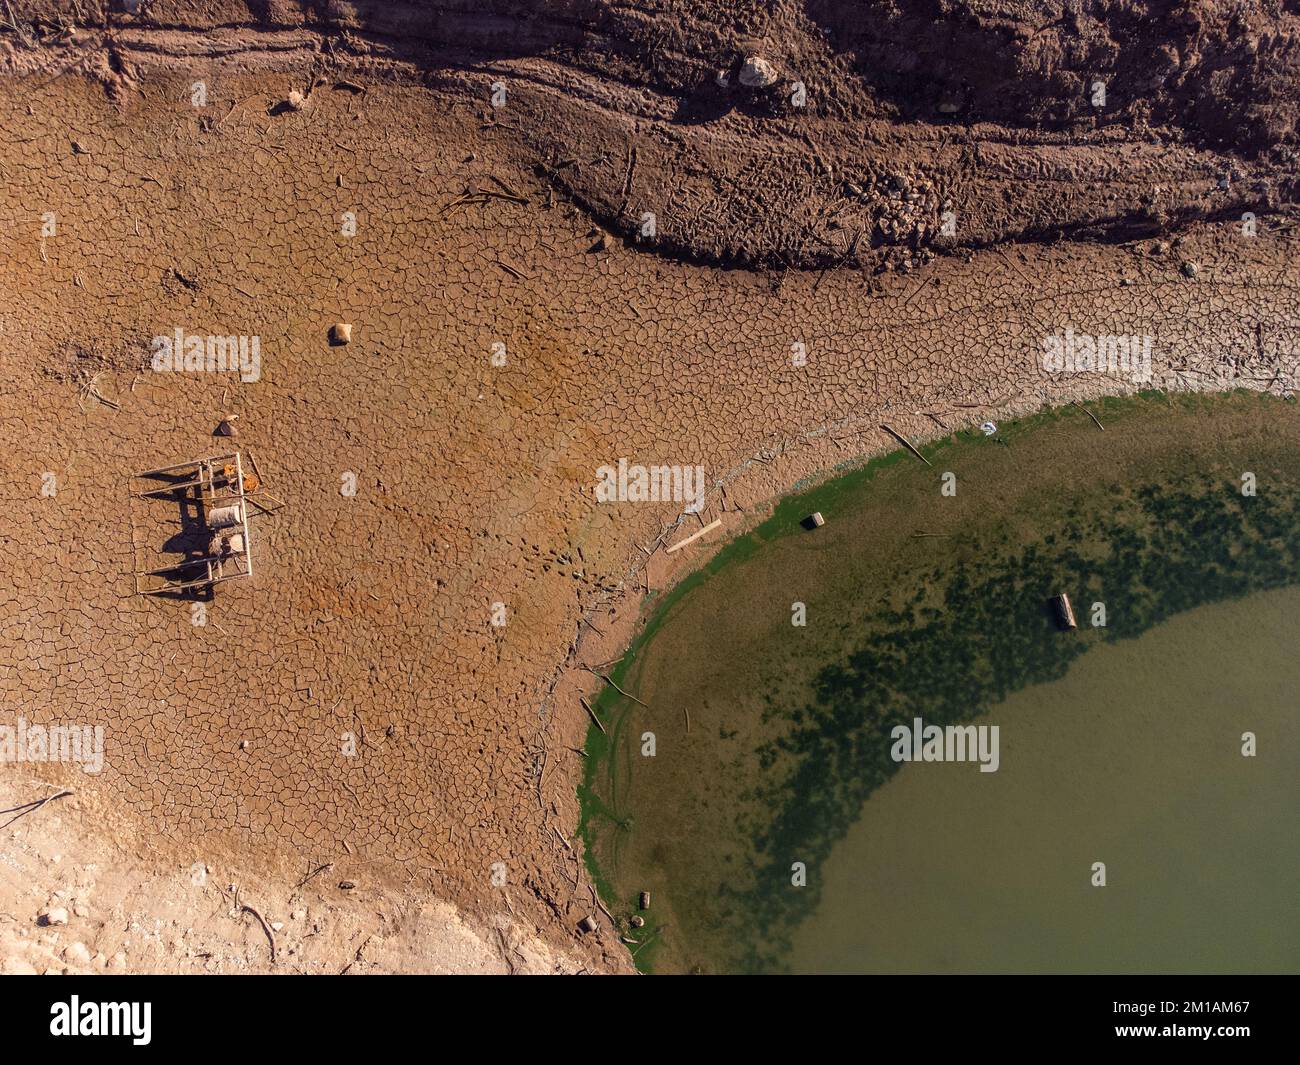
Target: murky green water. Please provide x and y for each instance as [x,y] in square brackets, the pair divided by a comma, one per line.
[1119,743]
[1134,758]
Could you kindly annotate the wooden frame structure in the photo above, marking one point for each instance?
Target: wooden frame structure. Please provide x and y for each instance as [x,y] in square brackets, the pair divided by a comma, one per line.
[215,484]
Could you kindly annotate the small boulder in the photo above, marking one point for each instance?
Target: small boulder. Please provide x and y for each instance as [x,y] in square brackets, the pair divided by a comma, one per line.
[758,73]
[52,915]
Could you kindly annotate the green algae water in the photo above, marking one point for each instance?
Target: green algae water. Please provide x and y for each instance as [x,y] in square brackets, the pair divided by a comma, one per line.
[756,798]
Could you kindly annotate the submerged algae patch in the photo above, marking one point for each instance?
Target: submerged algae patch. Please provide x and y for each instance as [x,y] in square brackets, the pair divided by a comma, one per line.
[918,606]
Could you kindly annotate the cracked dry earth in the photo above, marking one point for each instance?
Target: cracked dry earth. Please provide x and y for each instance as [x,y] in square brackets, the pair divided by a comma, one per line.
[228,776]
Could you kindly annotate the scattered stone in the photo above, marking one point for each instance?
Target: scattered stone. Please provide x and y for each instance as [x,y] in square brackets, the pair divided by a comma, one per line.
[1190,269]
[298,915]
[295,101]
[636,921]
[346,885]
[644,901]
[225,428]
[814,520]
[758,73]
[277,926]
[77,954]
[80,911]
[587,925]
[341,333]
[1159,247]
[243,745]
[52,915]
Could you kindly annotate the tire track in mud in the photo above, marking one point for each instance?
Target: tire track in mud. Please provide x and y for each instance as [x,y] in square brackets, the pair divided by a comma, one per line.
[748,182]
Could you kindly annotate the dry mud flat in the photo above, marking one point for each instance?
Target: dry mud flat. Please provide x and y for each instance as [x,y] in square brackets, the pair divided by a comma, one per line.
[353,705]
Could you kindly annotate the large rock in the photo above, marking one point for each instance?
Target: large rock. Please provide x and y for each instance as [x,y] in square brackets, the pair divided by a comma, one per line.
[758,73]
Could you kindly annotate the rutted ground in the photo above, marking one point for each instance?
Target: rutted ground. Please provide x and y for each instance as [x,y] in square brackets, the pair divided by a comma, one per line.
[370,615]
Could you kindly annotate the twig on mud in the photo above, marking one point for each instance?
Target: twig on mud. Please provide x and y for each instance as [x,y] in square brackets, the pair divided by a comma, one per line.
[650,939]
[508,190]
[1089,414]
[356,957]
[906,443]
[90,390]
[595,897]
[510,270]
[245,908]
[31,807]
[606,679]
[587,706]
[505,951]
[315,872]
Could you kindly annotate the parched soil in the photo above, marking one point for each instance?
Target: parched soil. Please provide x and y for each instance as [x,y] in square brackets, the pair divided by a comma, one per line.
[353,703]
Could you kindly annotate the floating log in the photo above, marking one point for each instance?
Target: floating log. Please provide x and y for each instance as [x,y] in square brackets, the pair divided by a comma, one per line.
[1064,612]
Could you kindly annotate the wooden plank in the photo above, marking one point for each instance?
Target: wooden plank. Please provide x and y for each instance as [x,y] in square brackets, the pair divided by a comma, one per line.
[695,535]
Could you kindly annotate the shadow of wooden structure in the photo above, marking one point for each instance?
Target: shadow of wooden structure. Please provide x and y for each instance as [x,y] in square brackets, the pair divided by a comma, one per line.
[211,533]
